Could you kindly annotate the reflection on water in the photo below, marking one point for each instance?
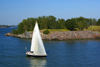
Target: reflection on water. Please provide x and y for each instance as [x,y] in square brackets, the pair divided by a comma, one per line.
[70,53]
[38,62]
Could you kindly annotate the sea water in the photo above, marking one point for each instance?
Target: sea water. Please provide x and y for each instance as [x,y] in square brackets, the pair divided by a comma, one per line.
[70,53]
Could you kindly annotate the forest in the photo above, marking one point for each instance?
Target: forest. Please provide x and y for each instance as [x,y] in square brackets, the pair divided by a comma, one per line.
[51,22]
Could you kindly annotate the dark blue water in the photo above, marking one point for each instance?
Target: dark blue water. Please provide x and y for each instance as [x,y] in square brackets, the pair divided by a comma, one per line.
[71,53]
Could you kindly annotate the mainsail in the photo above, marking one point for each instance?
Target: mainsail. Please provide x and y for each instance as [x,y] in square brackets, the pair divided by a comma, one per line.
[37,45]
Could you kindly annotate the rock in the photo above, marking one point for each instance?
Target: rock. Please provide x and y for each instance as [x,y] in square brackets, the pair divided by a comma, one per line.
[61,35]
[9,34]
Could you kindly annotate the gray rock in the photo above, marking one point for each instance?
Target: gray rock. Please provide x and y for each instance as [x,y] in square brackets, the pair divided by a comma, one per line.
[62,35]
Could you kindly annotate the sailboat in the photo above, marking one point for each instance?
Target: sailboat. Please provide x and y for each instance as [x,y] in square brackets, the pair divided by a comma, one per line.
[37,47]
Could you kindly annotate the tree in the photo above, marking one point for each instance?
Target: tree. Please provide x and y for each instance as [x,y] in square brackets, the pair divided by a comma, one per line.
[21,28]
[43,24]
[81,23]
[52,22]
[61,23]
[98,22]
[70,24]
[14,31]
[88,22]
[94,21]
[91,23]
[26,24]
[32,24]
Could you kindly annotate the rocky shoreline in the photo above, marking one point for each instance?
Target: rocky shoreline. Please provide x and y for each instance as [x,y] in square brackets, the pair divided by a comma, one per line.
[61,35]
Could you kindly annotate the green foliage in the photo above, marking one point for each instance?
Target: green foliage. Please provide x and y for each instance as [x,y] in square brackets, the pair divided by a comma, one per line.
[81,23]
[46,32]
[21,28]
[50,22]
[94,28]
[57,30]
[14,31]
[98,22]
[94,21]
[71,24]
[61,24]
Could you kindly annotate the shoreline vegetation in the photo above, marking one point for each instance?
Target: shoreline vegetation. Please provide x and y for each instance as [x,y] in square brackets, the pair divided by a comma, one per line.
[53,29]
[51,22]
[6,26]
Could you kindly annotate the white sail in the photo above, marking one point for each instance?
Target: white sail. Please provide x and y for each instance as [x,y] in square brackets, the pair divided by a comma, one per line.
[37,45]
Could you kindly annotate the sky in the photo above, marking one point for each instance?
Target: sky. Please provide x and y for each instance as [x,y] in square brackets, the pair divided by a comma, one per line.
[12,12]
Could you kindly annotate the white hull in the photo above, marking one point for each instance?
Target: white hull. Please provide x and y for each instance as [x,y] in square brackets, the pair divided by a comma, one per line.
[34,55]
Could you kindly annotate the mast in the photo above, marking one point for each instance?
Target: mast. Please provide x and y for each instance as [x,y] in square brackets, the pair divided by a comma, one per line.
[37,43]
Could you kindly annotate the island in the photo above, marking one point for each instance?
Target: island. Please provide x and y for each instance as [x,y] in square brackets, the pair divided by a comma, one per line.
[6,26]
[59,29]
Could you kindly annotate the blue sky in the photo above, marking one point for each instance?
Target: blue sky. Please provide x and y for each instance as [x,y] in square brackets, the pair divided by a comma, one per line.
[13,12]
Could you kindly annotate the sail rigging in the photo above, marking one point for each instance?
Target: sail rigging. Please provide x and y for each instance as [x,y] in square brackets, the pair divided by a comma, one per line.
[37,44]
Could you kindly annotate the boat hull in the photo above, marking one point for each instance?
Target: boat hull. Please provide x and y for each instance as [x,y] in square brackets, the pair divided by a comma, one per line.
[30,54]
[36,55]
